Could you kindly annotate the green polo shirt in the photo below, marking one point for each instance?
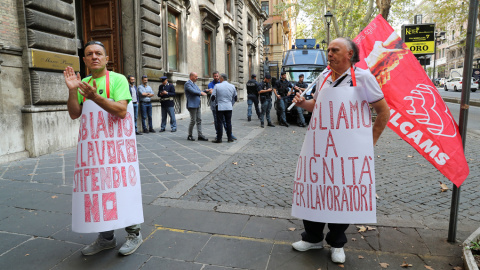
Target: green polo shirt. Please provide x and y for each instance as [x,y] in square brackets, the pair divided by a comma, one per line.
[119,89]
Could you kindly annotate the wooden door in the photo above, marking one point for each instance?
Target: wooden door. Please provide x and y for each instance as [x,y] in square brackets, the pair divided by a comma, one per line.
[102,22]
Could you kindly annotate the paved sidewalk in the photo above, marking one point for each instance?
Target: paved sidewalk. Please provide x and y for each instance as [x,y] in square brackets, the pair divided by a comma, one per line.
[226,206]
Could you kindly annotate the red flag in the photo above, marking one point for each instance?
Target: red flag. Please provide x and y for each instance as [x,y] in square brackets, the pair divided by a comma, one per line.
[418,113]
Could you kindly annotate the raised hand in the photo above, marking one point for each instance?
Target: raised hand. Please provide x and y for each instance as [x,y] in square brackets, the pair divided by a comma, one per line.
[72,80]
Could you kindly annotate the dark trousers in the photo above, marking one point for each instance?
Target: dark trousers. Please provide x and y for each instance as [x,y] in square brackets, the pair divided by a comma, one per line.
[252,100]
[227,117]
[135,114]
[314,233]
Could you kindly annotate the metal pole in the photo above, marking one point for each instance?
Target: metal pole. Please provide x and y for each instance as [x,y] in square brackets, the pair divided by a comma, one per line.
[328,33]
[467,79]
[434,60]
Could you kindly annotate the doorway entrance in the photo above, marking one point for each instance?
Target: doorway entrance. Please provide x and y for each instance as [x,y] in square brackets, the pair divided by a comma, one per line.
[102,21]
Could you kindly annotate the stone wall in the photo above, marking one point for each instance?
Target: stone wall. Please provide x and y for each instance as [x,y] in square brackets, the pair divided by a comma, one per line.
[50,28]
[9,32]
[11,86]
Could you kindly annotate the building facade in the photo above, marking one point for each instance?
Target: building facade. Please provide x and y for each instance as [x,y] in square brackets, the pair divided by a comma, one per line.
[450,50]
[39,38]
[279,33]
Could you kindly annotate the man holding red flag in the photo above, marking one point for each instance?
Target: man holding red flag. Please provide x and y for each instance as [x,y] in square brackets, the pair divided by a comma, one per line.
[345,83]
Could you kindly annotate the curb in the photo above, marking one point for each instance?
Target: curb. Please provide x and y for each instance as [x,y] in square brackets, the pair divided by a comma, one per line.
[474,102]
[468,259]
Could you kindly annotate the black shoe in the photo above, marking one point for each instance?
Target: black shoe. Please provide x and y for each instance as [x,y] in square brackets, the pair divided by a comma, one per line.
[174,130]
[249,119]
[261,125]
[162,130]
[202,138]
[138,133]
[285,124]
[151,130]
[271,125]
[217,141]
[281,124]
[302,125]
[190,138]
[145,131]
[230,140]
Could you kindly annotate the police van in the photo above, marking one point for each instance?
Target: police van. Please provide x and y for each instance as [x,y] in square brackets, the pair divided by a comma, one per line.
[305,58]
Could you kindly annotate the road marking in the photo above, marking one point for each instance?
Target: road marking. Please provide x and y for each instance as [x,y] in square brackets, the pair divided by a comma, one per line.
[245,238]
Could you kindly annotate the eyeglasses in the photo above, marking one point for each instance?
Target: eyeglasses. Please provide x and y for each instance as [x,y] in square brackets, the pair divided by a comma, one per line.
[93,42]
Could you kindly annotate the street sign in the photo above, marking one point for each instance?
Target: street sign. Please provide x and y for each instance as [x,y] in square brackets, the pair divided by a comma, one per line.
[420,38]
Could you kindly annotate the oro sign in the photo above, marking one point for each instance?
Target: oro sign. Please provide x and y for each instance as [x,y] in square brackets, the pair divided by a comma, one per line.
[419,38]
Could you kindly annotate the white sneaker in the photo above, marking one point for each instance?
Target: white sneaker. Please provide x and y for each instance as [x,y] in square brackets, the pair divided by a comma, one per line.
[132,243]
[304,246]
[338,255]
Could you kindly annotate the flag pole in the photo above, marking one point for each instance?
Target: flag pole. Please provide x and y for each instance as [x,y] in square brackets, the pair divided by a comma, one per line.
[466,84]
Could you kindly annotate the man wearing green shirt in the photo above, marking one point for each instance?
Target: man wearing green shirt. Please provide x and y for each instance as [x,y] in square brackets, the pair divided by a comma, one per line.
[113,99]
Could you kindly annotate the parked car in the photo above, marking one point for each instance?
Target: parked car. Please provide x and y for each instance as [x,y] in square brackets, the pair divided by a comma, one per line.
[456,84]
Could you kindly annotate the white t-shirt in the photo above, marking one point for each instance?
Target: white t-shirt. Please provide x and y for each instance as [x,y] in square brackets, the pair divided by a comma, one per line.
[365,80]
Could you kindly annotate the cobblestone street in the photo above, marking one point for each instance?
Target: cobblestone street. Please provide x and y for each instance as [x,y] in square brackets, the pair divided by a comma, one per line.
[261,175]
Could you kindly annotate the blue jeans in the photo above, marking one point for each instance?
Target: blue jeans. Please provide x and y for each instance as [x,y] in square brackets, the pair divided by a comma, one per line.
[266,106]
[224,118]
[146,111]
[135,114]
[300,118]
[252,99]
[171,112]
[282,104]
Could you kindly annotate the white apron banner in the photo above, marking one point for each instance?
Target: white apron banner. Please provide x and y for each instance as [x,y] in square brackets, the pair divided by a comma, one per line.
[106,183]
[335,175]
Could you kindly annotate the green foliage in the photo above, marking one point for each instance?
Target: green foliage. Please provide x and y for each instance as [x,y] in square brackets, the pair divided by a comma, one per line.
[474,245]
[350,16]
[447,14]
[287,10]
[429,71]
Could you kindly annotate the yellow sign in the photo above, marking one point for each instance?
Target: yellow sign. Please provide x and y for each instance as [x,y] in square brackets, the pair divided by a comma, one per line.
[421,47]
[420,38]
[56,61]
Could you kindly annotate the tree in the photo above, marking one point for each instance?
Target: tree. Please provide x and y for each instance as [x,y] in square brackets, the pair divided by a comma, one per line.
[349,16]
[447,14]
[384,7]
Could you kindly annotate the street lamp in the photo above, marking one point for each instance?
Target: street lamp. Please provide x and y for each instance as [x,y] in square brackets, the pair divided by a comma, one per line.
[438,36]
[324,45]
[328,18]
